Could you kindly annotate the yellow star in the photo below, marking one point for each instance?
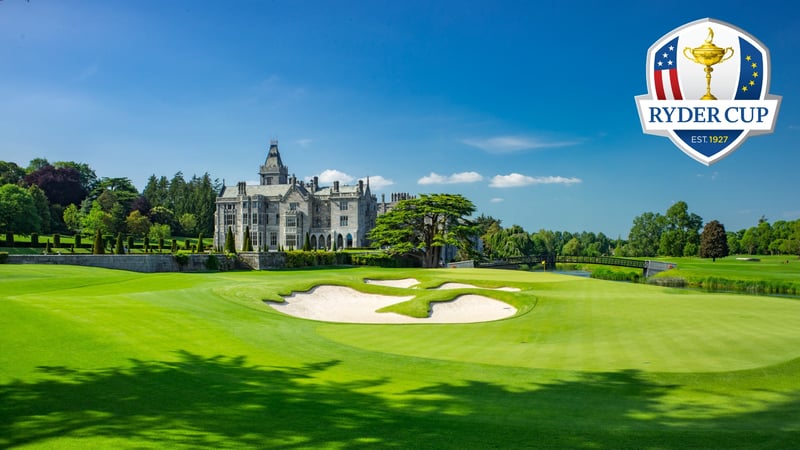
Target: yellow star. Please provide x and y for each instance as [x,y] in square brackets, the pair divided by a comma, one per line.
[744,88]
[748,58]
[754,65]
[752,83]
[755,74]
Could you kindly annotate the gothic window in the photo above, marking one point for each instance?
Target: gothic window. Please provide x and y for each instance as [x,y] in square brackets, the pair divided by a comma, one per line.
[273,239]
[269,180]
[291,240]
[343,221]
[291,221]
[343,205]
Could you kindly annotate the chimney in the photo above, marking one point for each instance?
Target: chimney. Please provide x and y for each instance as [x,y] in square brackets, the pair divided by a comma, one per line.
[360,186]
[335,186]
[242,188]
[316,184]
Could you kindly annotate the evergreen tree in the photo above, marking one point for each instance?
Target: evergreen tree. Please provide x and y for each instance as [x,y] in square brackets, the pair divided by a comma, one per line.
[147,244]
[118,247]
[199,248]
[229,243]
[98,248]
[47,247]
[130,244]
[307,244]
[174,246]
[713,241]
[247,246]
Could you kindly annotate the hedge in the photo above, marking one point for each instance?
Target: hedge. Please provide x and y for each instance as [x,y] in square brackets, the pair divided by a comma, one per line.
[3,257]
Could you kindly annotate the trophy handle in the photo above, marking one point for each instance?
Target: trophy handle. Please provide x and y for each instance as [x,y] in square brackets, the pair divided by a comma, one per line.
[691,58]
[726,52]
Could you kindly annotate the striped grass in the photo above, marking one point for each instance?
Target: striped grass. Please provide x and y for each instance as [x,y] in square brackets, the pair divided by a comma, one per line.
[102,358]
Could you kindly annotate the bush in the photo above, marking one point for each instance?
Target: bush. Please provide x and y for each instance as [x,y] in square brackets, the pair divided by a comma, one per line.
[604,273]
[130,244]
[9,239]
[3,257]
[299,258]
[34,239]
[182,258]
[174,246]
[56,240]
[77,239]
[212,263]
[382,260]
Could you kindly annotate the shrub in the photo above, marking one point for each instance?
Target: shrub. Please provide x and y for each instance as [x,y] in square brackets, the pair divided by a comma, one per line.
[98,249]
[174,246]
[9,239]
[56,240]
[34,239]
[119,249]
[146,244]
[47,247]
[199,248]
[130,244]
[160,244]
[182,258]
[187,244]
[212,263]
[3,257]
[380,260]
[77,239]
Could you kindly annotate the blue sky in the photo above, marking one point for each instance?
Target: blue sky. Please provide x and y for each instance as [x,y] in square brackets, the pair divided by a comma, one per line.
[525,108]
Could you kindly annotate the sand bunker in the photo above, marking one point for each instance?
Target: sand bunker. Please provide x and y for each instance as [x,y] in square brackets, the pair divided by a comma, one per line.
[344,304]
[404,283]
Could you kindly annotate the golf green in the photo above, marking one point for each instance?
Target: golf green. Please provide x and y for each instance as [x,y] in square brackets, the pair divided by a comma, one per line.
[102,358]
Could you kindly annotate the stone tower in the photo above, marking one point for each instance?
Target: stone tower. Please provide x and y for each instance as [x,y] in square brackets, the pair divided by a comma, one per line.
[273,171]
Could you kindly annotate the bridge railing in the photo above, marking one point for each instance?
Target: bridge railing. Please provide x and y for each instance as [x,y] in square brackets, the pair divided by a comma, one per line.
[605,260]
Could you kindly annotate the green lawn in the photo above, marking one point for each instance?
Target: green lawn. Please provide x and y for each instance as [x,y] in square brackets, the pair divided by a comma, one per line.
[101,358]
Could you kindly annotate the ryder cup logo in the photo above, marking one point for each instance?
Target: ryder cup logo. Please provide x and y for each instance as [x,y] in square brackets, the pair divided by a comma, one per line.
[708,89]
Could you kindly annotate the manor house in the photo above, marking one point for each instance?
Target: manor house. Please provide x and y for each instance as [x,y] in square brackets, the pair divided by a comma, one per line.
[281,210]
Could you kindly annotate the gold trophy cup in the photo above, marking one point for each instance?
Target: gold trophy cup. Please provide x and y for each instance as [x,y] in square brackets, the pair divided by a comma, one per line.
[708,54]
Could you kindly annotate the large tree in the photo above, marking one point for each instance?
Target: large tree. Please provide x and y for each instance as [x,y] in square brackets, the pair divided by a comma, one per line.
[10,173]
[713,241]
[61,185]
[421,227]
[645,234]
[18,212]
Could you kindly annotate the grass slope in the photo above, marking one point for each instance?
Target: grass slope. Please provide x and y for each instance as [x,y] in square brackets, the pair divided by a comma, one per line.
[94,357]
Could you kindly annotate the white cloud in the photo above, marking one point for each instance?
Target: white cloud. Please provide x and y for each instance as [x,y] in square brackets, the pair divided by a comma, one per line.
[462,177]
[377,182]
[518,180]
[509,144]
[305,142]
[497,200]
[330,175]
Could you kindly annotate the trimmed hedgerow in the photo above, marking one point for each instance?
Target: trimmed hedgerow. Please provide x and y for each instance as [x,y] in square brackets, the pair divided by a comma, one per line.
[3,257]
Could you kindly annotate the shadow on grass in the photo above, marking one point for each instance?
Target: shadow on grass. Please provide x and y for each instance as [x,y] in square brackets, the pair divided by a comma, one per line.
[219,401]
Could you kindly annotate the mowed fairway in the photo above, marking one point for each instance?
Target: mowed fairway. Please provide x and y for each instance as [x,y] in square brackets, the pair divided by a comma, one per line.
[100,358]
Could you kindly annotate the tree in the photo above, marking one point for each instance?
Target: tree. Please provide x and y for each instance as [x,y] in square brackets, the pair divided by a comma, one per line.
[247,246]
[159,231]
[137,223]
[118,247]
[98,248]
[421,227]
[10,173]
[18,212]
[188,223]
[42,206]
[713,241]
[645,234]
[307,244]
[62,186]
[572,248]
[87,175]
[230,246]
[200,246]
[96,219]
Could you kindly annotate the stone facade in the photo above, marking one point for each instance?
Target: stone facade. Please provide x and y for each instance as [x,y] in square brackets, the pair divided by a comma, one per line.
[280,210]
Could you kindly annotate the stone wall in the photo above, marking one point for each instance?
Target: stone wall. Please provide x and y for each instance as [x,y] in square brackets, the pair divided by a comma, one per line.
[262,261]
[134,263]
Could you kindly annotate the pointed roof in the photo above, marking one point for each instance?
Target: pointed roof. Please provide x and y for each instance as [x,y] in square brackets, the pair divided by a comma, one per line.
[273,157]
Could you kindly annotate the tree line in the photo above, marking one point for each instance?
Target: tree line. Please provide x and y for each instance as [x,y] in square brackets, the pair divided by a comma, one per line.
[677,232]
[68,196]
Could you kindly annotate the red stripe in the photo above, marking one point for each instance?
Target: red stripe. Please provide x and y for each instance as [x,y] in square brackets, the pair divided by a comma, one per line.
[673,81]
[659,86]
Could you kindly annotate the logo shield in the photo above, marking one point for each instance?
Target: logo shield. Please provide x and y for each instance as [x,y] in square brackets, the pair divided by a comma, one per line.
[708,89]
